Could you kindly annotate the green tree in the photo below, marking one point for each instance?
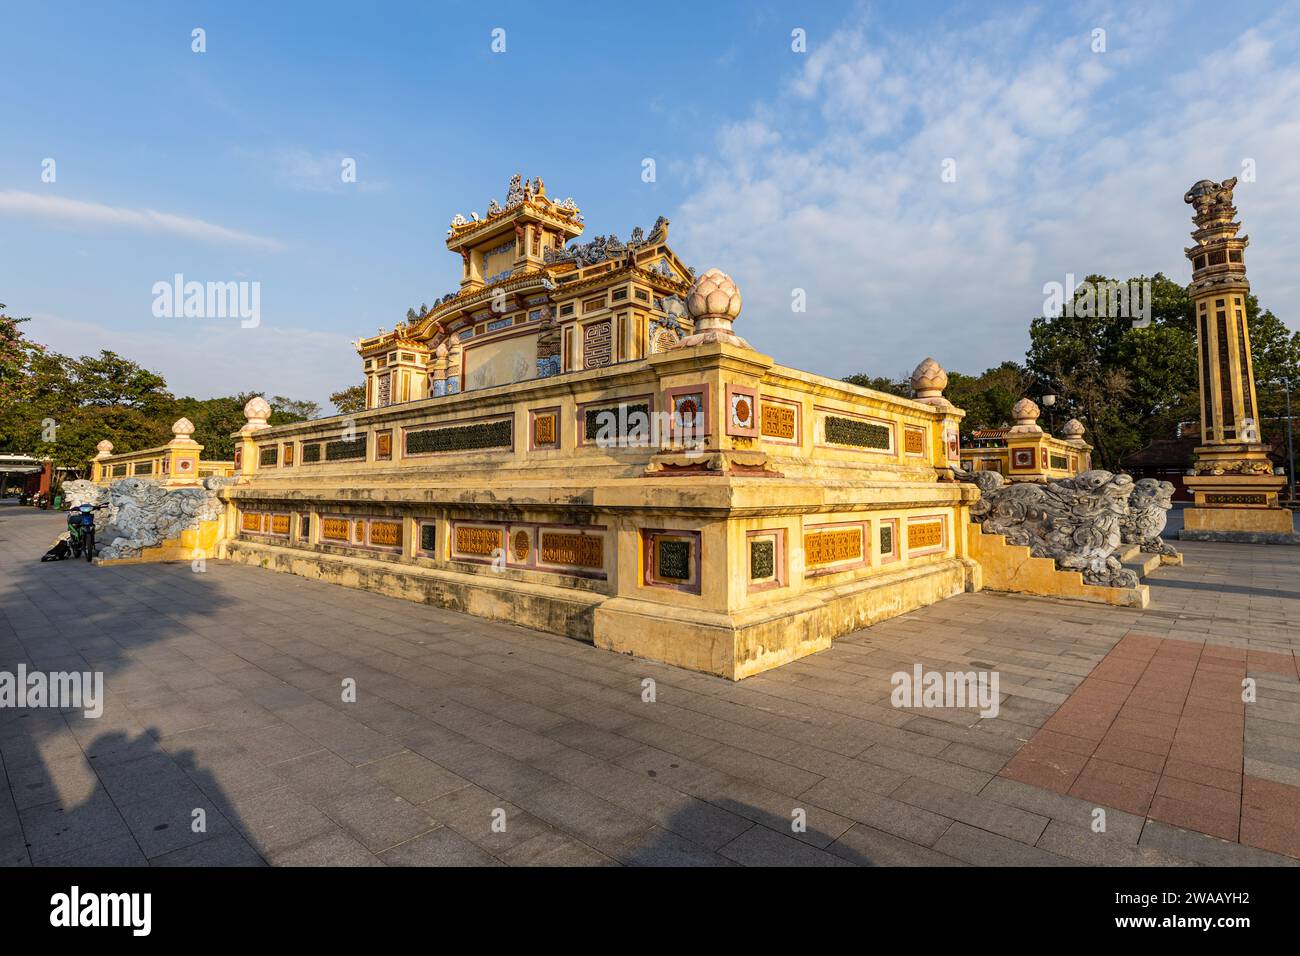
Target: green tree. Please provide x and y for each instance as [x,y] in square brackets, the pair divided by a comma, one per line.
[986,398]
[16,352]
[285,410]
[1131,384]
[880,383]
[350,400]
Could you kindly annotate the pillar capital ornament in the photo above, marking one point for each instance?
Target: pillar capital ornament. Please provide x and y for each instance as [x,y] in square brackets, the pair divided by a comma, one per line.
[257,410]
[182,432]
[928,382]
[713,302]
[1026,413]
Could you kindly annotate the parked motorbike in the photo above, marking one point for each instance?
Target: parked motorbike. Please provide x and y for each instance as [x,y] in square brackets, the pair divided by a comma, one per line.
[81,530]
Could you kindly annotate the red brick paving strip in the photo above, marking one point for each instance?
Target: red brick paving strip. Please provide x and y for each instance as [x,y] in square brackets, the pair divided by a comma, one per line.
[1157,729]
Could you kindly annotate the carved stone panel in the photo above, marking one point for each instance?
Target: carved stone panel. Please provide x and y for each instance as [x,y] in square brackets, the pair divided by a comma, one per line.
[597,344]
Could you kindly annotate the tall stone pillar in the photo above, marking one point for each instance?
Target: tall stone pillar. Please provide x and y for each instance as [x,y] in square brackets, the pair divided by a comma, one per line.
[1234,488]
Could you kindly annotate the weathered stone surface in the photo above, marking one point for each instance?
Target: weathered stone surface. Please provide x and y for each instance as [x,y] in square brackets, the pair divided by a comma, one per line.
[1075,521]
[142,513]
[1148,511]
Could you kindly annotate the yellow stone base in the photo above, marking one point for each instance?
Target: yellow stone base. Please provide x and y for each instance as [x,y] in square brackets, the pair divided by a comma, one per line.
[566,611]
[749,642]
[200,542]
[732,646]
[1010,567]
[1265,520]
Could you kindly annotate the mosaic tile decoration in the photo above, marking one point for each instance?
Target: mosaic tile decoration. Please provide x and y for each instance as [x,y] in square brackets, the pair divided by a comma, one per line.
[673,560]
[335,529]
[520,546]
[387,534]
[762,559]
[831,547]
[428,536]
[924,534]
[268,456]
[577,550]
[477,541]
[742,411]
[480,436]
[778,421]
[341,450]
[623,415]
[544,429]
[859,434]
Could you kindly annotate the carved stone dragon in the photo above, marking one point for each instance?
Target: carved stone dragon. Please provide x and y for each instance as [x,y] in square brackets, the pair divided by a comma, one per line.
[1075,521]
[1148,511]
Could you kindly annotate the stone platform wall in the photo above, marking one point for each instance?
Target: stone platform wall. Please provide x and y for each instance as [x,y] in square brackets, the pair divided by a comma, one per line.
[803,508]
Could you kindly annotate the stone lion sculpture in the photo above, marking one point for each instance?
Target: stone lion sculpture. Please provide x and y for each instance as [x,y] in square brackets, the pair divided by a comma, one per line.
[1148,511]
[143,513]
[1075,521]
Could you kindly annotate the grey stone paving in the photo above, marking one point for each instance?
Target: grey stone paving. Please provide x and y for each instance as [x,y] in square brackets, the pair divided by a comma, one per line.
[478,743]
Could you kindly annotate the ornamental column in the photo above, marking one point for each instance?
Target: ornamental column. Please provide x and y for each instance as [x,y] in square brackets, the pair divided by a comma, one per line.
[183,455]
[438,376]
[1026,451]
[1234,488]
[256,413]
[454,357]
[928,382]
[99,470]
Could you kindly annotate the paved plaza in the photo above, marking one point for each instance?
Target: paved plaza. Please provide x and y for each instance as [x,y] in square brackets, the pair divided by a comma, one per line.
[479,743]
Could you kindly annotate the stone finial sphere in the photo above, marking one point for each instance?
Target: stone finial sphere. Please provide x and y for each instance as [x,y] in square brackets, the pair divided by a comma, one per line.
[929,376]
[1025,411]
[713,295]
[257,409]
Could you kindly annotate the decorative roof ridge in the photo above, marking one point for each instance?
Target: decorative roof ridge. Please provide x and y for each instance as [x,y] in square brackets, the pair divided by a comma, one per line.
[521,194]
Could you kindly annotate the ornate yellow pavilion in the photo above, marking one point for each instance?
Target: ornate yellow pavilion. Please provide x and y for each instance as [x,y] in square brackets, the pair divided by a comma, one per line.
[578,441]
[531,306]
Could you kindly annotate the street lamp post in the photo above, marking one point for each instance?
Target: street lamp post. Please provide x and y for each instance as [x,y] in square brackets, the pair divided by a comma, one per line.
[1290,447]
[1049,401]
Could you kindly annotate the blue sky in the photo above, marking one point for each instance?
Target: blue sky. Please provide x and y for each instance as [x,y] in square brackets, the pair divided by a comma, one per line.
[817,171]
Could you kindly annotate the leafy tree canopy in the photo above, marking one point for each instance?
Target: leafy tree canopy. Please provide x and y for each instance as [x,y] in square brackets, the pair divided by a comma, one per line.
[350,400]
[60,406]
[1128,382]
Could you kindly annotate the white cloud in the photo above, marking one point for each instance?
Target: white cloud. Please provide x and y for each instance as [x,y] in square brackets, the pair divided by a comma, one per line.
[80,212]
[1067,161]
